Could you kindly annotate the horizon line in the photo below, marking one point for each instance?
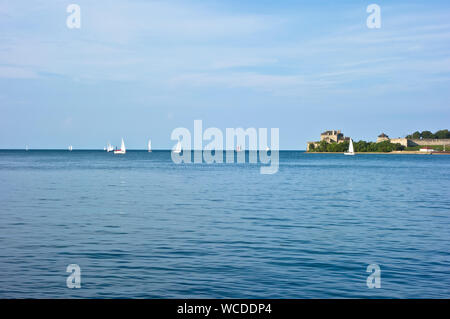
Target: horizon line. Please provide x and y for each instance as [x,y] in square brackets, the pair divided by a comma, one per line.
[135,149]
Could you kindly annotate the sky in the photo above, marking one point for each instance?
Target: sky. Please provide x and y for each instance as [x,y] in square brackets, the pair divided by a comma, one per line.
[139,69]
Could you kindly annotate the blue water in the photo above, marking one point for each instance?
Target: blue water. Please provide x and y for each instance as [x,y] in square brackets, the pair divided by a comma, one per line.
[140,226]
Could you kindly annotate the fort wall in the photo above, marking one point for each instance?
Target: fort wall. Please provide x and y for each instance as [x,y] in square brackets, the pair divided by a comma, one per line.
[429,141]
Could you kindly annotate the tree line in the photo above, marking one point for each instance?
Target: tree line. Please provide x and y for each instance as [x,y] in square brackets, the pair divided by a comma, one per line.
[427,134]
[360,146]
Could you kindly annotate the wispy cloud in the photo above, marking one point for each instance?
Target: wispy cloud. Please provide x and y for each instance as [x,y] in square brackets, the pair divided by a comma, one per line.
[12,72]
[197,45]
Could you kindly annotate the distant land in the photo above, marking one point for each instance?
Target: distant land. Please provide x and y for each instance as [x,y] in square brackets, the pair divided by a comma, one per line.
[425,142]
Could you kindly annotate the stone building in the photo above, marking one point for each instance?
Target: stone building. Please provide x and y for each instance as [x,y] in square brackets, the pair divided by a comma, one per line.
[382,137]
[333,136]
[412,142]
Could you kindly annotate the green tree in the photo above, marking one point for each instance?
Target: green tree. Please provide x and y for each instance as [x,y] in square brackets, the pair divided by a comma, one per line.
[442,134]
[416,135]
[426,134]
[322,147]
[361,146]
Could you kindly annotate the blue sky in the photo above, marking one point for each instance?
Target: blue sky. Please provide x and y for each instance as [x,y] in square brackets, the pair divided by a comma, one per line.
[139,69]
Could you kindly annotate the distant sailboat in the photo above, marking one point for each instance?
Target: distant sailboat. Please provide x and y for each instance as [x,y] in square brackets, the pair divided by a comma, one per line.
[177,148]
[122,149]
[149,145]
[350,149]
[267,149]
[70,148]
[26,148]
[109,147]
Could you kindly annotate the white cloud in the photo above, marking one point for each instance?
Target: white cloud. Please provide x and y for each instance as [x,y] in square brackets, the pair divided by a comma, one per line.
[170,22]
[183,45]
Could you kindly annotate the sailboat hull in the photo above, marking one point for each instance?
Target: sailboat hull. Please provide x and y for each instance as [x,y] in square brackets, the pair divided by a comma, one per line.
[349,153]
[122,149]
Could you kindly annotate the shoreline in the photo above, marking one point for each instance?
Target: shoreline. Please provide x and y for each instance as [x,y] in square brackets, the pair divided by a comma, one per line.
[393,152]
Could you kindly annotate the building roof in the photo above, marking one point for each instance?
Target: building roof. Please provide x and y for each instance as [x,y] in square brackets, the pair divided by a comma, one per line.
[382,135]
[333,132]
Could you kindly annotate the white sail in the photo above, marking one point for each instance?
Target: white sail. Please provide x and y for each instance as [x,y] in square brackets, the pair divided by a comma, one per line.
[122,149]
[177,148]
[149,146]
[350,149]
[109,147]
[70,148]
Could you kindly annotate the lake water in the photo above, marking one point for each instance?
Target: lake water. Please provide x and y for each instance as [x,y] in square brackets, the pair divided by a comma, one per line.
[140,226]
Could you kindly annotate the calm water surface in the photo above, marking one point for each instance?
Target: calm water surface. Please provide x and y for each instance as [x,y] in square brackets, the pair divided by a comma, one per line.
[140,226]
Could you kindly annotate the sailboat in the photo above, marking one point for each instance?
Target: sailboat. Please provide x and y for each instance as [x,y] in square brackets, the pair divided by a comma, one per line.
[122,149]
[70,148]
[149,145]
[109,147]
[26,148]
[177,148]
[350,149]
